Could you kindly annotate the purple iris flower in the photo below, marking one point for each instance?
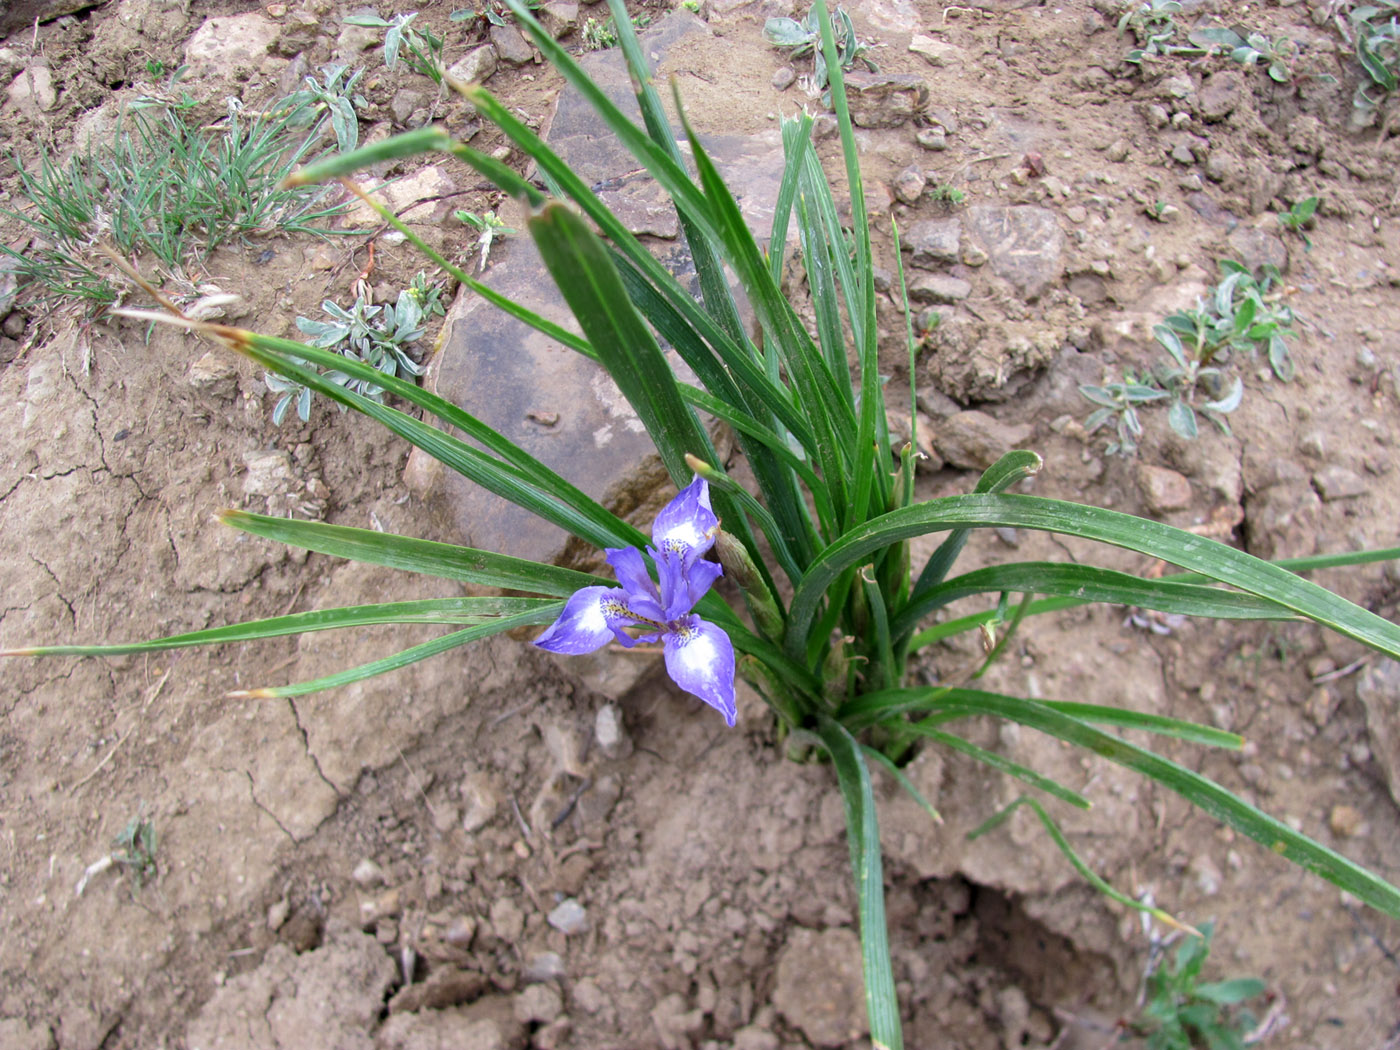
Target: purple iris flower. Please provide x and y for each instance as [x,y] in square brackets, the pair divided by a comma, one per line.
[699,655]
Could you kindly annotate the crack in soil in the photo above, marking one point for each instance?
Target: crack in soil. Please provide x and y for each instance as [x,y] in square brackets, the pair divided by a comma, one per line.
[306,745]
[253,794]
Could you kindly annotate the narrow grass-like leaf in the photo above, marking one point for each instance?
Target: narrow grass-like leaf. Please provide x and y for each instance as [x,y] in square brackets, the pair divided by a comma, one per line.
[408,656]
[1196,553]
[1201,792]
[863,837]
[1091,585]
[999,762]
[797,135]
[580,266]
[888,765]
[396,147]
[428,610]
[1158,724]
[1089,875]
[414,555]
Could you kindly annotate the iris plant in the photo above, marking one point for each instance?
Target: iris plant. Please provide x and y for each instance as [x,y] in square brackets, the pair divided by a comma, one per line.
[699,655]
[835,611]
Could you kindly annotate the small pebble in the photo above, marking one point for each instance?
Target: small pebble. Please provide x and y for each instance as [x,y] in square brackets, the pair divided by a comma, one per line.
[783,78]
[569,917]
[367,874]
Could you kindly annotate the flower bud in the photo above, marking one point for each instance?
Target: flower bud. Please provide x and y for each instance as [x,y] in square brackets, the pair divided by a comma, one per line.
[739,567]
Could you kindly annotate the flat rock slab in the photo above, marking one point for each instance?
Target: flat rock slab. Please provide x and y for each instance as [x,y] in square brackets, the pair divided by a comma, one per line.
[559,406]
[1023,243]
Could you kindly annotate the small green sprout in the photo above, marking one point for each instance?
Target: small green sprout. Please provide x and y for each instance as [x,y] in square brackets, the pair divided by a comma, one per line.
[1153,27]
[945,193]
[1182,1014]
[804,38]
[1250,49]
[155,67]
[1378,51]
[421,48]
[1300,218]
[1118,403]
[488,227]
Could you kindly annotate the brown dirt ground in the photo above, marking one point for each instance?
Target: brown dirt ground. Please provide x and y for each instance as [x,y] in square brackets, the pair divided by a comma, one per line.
[698,855]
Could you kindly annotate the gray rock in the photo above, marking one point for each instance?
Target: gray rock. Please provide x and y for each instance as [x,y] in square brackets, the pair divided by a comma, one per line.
[1378,689]
[1023,243]
[1163,490]
[885,100]
[783,78]
[507,920]
[974,440]
[538,1003]
[934,242]
[1181,153]
[1335,482]
[569,917]
[545,966]
[909,185]
[1256,248]
[403,105]
[610,733]
[559,18]
[938,53]
[33,89]
[1221,95]
[938,289]
[487,1024]
[20,14]
[819,987]
[511,45]
[675,1023]
[512,378]
[475,66]
[231,48]
[934,138]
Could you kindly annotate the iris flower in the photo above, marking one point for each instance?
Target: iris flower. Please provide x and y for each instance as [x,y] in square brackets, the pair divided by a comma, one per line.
[699,655]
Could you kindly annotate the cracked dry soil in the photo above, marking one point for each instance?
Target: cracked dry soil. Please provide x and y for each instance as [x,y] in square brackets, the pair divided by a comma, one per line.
[383,865]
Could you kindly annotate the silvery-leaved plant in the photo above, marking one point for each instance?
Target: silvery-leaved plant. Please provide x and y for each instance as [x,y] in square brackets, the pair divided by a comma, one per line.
[826,610]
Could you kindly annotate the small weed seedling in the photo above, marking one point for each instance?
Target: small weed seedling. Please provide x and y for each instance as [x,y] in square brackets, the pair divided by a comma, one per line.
[379,336]
[1182,1014]
[1250,49]
[133,851]
[488,227]
[1118,404]
[1240,313]
[334,96]
[601,34]
[804,38]
[1191,368]
[420,49]
[1299,218]
[945,193]
[1378,51]
[1153,26]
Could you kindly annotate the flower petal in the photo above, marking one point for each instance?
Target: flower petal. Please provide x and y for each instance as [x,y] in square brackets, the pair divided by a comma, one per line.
[685,525]
[700,659]
[631,572]
[587,623]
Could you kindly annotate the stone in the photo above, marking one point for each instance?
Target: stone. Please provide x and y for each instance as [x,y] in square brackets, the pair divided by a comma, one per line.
[1378,689]
[885,100]
[326,999]
[934,242]
[21,14]
[1221,95]
[269,473]
[909,185]
[559,18]
[819,987]
[783,78]
[569,917]
[403,104]
[545,966]
[300,29]
[934,138]
[540,1003]
[1346,821]
[422,197]
[511,45]
[214,374]
[1205,873]
[1024,245]
[610,733]
[15,1034]
[487,1024]
[938,53]
[231,48]
[33,90]
[1163,489]
[938,289]
[512,377]
[1335,482]
[367,874]
[507,920]
[675,1024]
[444,987]
[973,440]
[475,66]
[1257,248]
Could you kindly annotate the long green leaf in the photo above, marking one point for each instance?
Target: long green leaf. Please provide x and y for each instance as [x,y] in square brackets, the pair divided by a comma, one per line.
[1196,553]
[579,263]
[863,837]
[413,555]
[1091,585]
[403,659]
[428,610]
[1210,797]
[1000,763]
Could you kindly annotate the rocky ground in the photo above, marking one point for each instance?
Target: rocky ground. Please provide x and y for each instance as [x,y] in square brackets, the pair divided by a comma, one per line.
[493,849]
